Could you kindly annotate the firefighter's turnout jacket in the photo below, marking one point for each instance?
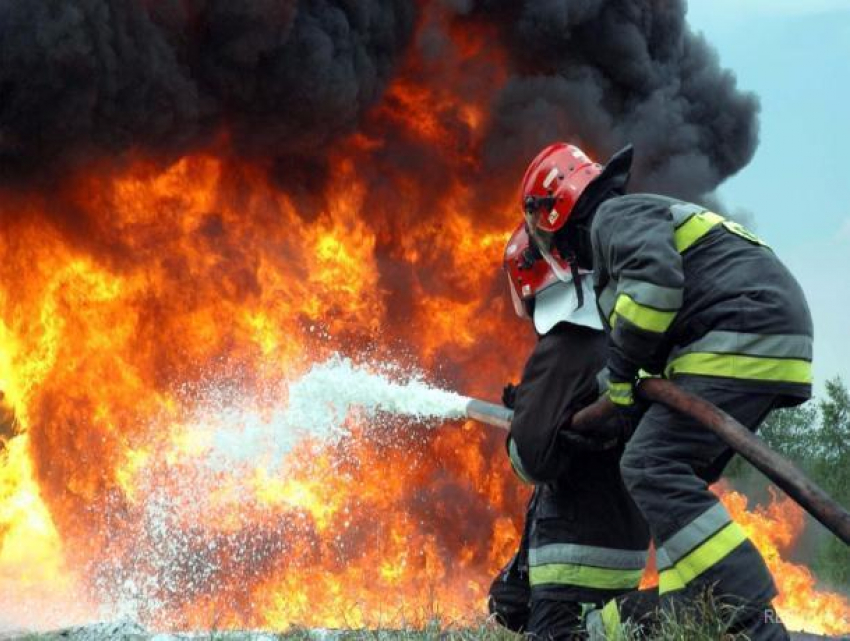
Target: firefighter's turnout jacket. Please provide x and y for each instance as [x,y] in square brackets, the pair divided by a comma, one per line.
[587,540]
[686,293]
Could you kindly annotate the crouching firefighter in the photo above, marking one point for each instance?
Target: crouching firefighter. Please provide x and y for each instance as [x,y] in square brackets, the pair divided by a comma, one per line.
[694,297]
[585,541]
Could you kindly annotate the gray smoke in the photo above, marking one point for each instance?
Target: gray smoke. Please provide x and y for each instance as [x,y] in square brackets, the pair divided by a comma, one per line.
[604,73]
[82,79]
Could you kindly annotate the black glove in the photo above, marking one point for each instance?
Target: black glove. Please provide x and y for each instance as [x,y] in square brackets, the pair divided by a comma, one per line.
[509,395]
[573,441]
[631,413]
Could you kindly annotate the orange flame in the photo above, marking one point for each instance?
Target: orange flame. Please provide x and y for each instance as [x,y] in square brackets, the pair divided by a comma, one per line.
[141,304]
[774,529]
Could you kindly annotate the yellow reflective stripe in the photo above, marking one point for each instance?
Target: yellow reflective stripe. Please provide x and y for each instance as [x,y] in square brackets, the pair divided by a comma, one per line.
[647,318]
[584,576]
[668,581]
[695,228]
[621,393]
[611,621]
[758,368]
[715,549]
[700,224]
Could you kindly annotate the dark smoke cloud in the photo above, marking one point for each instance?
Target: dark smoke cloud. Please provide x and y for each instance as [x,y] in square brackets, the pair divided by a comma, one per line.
[604,73]
[90,78]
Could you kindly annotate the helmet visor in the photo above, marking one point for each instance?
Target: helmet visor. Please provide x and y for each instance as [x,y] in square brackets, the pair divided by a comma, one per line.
[544,241]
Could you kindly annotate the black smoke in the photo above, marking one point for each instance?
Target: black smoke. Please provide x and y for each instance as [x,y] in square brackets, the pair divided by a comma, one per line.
[604,73]
[90,79]
[86,79]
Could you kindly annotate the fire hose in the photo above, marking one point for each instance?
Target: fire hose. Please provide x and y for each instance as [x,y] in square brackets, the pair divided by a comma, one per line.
[773,465]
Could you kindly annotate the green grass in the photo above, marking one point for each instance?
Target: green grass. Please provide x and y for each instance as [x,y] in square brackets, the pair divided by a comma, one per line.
[704,620]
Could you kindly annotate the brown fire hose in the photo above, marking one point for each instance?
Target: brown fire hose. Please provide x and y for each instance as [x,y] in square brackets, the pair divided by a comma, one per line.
[770,463]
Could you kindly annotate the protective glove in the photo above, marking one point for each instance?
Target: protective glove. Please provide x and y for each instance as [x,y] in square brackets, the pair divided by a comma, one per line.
[629,403]
[509,395]
[573,442]
[622,378]
[617,387]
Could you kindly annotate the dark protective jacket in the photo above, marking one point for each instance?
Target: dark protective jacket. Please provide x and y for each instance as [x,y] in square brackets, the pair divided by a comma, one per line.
[686,292]
[587,541]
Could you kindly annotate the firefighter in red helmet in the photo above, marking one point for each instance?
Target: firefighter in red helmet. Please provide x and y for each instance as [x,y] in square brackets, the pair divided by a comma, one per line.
[585,541]
[689,295]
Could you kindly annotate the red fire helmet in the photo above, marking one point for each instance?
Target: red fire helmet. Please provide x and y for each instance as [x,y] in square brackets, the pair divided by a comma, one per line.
[528,272]
[552,185]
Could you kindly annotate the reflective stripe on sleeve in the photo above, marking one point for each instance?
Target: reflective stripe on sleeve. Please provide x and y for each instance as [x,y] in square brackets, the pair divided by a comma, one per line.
[694,228]
[646,318]
[590,555]
[797,346]
[692,225]
[710,553]
[621,393]
[651,295]
[757,368]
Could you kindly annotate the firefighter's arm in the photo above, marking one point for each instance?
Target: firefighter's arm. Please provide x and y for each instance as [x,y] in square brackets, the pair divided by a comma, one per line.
[634,241]
[559,379]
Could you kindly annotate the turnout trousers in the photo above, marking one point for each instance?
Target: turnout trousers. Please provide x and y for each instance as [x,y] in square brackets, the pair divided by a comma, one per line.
[667,466]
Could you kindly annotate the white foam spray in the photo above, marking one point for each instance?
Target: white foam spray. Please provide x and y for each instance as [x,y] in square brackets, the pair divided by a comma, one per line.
[319,406]
[234,433]
[322,399]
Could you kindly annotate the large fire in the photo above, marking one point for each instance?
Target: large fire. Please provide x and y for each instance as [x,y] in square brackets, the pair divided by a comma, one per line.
[183,290]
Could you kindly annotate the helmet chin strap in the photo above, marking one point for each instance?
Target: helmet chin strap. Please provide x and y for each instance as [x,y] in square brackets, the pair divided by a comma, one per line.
[577,282]
[576,241]
[544,247]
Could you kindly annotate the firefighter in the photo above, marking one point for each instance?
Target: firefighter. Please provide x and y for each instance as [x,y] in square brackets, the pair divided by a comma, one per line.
[689,295]
[585,540]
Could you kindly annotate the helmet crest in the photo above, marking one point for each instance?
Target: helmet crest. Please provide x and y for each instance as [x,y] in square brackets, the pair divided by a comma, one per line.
[553,183]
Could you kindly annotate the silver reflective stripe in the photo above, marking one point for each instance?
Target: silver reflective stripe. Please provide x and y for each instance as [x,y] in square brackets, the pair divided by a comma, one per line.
[682,212]
[589,555]
[768,345]
[649,295]
[516,461]
[603,379]
[697,531]
[662,561]
[607,300]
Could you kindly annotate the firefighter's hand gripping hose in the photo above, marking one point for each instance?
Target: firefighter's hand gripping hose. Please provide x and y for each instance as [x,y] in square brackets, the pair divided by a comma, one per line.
[770,463]
[596,420]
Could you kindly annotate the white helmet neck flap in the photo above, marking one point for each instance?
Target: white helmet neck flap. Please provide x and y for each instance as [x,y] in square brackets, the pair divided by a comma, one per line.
[559,303]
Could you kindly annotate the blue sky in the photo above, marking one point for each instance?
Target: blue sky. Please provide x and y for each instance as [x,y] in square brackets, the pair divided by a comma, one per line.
[795,54]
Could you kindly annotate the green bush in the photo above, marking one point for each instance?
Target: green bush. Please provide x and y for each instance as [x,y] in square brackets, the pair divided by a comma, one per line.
[816,437]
